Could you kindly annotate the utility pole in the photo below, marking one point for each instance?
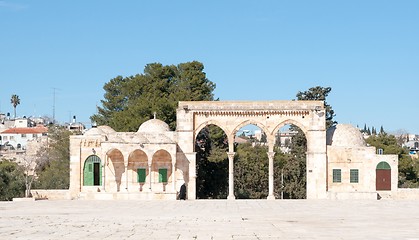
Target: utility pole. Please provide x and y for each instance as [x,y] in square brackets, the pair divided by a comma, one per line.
[53,106]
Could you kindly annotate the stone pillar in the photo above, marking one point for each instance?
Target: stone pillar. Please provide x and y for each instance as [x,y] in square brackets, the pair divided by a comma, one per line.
[149,176]
[316,164]
[104,172]
[125,156]
[231,175]
[192,175]
[271,156]
[174,176]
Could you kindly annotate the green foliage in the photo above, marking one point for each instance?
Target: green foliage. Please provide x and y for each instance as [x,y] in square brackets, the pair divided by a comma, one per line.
[212,163]
[293,164]
[408,167]
[12,180]
[292,167]
[251,169]
[319,94]
[130,101]
[15,100]
[53,163]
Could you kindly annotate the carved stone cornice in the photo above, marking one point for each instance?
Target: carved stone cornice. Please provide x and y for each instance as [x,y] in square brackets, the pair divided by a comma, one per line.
[253,113]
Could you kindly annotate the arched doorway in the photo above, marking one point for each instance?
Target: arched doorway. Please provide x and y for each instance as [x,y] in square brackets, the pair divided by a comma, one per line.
[92,171]
[383,177]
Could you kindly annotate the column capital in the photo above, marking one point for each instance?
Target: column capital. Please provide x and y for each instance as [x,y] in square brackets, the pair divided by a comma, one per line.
[271,154]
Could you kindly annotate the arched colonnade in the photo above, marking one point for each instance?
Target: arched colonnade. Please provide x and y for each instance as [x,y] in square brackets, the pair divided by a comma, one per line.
[270,116]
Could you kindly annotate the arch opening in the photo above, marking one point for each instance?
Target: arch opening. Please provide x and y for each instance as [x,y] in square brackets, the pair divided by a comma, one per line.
[251,165]
[92,171]
[138,170]
[211,146]
[115,169]
[161,170]
[290,165]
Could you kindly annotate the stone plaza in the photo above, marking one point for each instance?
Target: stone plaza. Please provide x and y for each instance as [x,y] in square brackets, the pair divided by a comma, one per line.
[210,219]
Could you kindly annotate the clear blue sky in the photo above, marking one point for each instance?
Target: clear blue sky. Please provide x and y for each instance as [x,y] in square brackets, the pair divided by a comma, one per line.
[367,51]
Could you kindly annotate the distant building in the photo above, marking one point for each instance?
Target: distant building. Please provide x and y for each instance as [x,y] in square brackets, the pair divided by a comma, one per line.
[75,126]
[16,138]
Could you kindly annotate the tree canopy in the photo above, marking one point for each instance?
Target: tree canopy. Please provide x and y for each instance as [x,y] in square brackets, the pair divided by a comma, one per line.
[319,93]
[408,167]
[12,180]
[15,100]
[53,160]
[130,101]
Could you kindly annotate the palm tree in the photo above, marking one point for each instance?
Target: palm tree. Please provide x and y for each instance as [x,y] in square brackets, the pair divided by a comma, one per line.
[15,101]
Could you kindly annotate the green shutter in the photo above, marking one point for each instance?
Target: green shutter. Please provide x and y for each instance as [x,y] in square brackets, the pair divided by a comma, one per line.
[337,175]
[141,176]
[354,176]
[163,175]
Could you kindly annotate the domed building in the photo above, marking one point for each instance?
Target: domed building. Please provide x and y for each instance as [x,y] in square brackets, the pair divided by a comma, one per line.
[154,162]
[356,170]
[125,165]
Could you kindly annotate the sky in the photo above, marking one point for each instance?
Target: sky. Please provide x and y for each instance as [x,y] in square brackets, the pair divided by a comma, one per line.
[59,54]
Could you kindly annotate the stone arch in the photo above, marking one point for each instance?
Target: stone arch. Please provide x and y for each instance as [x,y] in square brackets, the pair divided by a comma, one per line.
[161,168]
[207,123]
[92,171]
[252,122]
[138,169]
[115,168]
[307,115]
[292,122]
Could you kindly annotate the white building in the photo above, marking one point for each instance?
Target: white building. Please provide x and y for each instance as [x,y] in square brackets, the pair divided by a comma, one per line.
[17,137]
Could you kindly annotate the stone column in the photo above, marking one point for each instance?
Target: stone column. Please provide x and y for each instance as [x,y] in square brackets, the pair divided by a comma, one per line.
[231,176]
[174,176]
[316,164]
[271,156]
[149,175]
[104,172]
[191,192]
[125,156]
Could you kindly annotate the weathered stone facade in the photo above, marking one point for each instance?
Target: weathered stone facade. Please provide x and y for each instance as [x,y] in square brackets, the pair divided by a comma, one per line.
[154,162]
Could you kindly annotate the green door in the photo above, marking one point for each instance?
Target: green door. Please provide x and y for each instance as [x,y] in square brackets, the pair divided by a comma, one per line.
[92,171]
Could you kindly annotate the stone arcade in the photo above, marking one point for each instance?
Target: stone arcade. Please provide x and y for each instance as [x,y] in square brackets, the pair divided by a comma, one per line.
[154,162]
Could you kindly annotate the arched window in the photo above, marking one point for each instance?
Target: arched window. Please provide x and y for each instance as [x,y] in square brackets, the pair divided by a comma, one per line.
[92,171]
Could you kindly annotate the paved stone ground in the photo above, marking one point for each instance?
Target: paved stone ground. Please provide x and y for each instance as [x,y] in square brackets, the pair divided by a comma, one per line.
[213,219]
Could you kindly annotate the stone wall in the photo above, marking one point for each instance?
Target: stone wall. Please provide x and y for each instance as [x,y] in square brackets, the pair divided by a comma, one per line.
[51,194]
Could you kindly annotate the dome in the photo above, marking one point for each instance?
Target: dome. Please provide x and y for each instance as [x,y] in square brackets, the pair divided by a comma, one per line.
[154,126]
[106,129]
[344,135]
[94,131]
